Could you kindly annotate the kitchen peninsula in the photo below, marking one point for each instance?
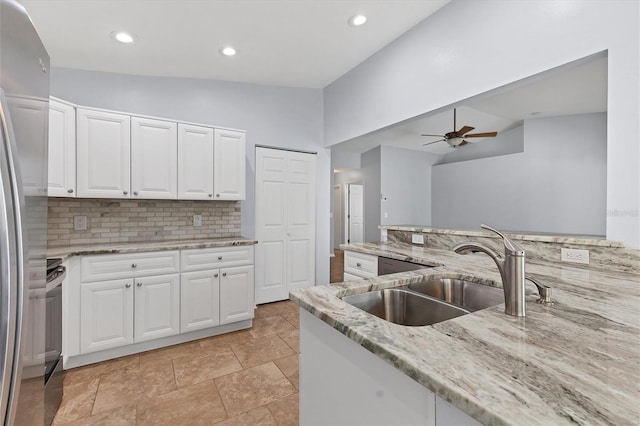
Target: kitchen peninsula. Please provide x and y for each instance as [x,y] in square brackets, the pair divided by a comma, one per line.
[576,361]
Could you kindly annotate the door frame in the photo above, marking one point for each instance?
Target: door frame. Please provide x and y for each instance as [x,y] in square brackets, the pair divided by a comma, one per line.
[347,204]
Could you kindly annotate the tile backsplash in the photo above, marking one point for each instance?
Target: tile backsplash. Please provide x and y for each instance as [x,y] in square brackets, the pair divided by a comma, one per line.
[122,221]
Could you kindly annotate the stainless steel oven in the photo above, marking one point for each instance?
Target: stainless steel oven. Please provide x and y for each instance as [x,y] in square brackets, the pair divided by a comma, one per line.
[56,274]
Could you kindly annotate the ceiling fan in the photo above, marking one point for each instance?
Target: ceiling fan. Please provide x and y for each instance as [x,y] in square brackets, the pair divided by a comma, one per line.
[456,138]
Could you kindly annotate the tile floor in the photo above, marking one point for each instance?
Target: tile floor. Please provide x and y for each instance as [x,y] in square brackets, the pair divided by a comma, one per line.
[249,377]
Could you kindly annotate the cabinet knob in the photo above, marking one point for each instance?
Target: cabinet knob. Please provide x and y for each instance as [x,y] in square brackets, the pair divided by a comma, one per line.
[125,192]
[135,192]
[139,284]
[219,257]
[134,265]
[210,195]
[358,265]
[224,274]
[215,275]
[70,190]
[218,195]
[128,285]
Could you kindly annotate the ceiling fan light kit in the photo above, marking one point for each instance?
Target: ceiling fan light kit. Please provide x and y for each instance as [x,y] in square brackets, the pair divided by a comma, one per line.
[457,138]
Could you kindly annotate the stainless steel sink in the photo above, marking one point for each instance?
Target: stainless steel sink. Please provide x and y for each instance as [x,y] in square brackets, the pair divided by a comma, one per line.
[465,294]
[404,307]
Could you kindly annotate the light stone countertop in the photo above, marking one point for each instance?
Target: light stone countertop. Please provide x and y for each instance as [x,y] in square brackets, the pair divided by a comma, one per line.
[133,247]
[576,362]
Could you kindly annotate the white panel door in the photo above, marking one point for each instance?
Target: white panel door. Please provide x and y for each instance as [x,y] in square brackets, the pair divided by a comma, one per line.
[229,165]
[154,158]
[356,213]
[236,294]
[103,154]
[62,149]
[157,307]
[195,162]
[271,224]
[285,223]
[199,300]
[301,221]
[106,315]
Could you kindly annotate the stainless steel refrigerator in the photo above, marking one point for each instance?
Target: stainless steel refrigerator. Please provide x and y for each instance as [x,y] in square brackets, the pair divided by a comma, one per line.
[24,110]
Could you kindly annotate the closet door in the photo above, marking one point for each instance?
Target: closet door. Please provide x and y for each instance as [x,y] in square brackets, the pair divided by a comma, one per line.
[285,223]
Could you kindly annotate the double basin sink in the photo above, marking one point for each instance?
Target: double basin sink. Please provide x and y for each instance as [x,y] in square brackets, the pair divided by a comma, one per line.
[427,302]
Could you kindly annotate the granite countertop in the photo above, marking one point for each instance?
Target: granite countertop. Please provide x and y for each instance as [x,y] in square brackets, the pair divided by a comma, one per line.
[577,361]
[133,247]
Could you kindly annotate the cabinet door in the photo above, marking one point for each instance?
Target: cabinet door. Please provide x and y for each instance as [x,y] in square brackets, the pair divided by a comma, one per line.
[195,162]
[154,159]
[236,294]
[157,307]
[229,165]
[199,300]
[106,313]
[62,150]
[103,154]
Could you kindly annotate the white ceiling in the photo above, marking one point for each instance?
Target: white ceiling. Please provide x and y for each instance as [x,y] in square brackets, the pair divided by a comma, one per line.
[300,43]
[574,89]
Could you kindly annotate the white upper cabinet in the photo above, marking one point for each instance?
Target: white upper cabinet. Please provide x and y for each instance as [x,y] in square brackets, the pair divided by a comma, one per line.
[62,149]
[229,165]
[103,154]
[195,162]
[154,159]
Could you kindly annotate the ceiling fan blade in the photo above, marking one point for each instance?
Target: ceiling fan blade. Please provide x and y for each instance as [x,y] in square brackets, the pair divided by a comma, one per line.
[463,143]
[431,143]
[481,135]
[436,136]
[464,130]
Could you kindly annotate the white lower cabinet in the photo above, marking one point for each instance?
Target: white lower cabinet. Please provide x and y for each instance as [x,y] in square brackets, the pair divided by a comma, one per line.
[157,307]
[200,300]
[236,294]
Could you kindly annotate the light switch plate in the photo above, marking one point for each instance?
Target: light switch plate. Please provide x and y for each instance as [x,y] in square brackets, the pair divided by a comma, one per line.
[574,256]
[417,238]
[79,223]
[197,220]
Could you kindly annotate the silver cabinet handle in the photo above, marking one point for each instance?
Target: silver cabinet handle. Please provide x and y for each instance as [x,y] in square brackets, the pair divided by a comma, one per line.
[215,275]
[125,192]
[70,190]
[135,192]
[139,284]
[224,274]
[358,265]
[128,285]
[210,195]
[219,257]
[134,265]
[218,195]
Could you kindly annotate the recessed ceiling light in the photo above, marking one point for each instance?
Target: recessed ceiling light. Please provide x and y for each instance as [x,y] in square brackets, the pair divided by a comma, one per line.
[228,51]
[357,20]
[122,37]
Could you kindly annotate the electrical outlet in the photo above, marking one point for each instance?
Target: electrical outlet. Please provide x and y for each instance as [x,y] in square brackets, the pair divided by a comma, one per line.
[574,256]
[417,239]
[197,220]
[79,223]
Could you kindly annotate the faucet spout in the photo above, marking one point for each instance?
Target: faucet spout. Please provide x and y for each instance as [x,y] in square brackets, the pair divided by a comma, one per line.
[511,267]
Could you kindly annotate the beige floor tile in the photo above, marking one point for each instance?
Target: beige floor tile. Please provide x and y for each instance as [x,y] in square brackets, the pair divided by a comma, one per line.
[121,416]
[272,309]
[129,385]
[224,340]
[293,318]
[260,416]
[248,389]
[92,371]
[170,352]
[295,380]
[288,365]
[271,325]
[77,401]
[193,369]
[199,404]
[260,350]
[292,339]
[286,411]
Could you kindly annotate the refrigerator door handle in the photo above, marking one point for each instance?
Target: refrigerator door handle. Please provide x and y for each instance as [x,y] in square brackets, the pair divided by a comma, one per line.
[12,255]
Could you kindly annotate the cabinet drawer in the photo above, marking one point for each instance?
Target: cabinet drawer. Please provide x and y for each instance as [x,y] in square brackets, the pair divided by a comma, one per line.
[131,265]
[349,277]
[201,259]
[360,264]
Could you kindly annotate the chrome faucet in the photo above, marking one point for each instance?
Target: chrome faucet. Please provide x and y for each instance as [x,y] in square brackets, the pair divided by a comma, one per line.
[511,267]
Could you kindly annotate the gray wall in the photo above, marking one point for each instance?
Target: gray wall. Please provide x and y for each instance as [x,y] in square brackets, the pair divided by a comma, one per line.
[558,184]
[370,162]
[427,69]
[342,178]
[274,116]
[405,179]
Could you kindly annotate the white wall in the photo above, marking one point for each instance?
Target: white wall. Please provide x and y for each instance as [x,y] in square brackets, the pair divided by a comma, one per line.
[558,184]
[370,162]
[440,62]
[405,179]
[275,116]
